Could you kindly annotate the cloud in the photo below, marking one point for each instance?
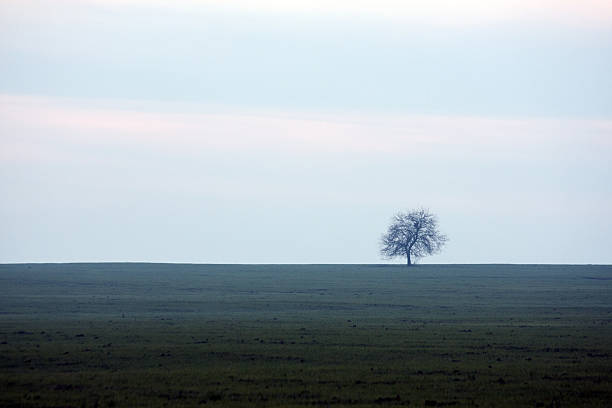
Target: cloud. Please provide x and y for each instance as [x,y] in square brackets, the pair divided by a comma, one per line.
[304,61]
[583,12]
[432,11]
[74,166]
[159,126]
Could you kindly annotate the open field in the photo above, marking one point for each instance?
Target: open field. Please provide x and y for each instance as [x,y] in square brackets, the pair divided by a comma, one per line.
[105,335]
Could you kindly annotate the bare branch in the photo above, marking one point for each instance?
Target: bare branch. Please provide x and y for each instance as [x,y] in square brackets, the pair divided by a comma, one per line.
[412,234]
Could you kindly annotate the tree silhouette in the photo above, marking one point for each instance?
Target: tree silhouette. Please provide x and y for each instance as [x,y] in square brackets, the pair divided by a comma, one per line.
[412,234]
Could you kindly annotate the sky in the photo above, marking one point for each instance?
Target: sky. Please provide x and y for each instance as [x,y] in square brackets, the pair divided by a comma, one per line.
[290,132]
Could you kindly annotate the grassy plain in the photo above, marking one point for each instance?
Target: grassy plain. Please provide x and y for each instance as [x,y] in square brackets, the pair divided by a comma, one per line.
[146,335]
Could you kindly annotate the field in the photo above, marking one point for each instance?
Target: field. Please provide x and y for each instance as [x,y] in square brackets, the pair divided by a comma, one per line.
[146,335]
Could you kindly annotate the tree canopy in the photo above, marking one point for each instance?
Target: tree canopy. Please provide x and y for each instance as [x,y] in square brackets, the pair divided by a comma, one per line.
[412,234]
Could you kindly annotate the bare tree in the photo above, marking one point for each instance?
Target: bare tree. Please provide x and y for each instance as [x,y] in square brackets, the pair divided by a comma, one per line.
[412,234]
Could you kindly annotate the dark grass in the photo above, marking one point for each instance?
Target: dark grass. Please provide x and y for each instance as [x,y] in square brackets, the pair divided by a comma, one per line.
[305,335]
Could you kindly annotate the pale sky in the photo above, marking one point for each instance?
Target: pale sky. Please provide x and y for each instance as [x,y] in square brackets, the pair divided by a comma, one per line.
[290,132]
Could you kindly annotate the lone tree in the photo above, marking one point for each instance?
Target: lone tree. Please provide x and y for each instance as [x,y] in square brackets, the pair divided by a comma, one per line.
[412,234]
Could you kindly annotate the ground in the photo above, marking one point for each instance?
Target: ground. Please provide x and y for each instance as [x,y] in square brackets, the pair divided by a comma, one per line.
[145,335]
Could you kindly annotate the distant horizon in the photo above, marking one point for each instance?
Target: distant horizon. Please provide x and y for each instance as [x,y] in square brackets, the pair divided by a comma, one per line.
[298,264]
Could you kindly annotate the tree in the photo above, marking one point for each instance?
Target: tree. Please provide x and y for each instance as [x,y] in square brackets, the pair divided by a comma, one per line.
[412,234]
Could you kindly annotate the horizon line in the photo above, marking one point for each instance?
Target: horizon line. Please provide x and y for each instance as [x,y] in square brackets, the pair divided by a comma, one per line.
[302,264]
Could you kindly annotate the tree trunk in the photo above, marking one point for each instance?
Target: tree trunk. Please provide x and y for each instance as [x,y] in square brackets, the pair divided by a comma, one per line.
[408,263]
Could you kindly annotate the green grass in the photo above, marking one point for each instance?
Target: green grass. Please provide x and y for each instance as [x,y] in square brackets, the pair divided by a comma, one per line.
[305,335]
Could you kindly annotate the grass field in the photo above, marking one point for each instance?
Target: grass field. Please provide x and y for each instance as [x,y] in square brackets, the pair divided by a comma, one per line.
[142,335]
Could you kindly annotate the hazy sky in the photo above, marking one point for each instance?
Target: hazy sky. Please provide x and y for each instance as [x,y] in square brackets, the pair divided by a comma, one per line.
[274,131]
